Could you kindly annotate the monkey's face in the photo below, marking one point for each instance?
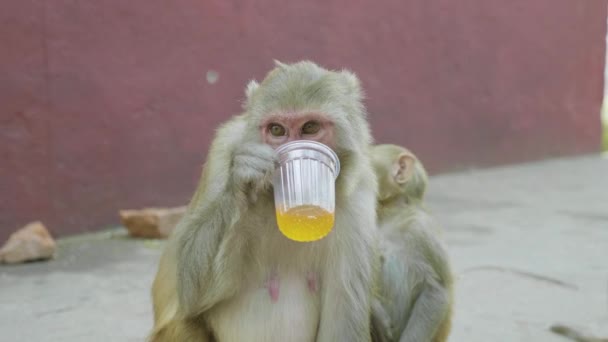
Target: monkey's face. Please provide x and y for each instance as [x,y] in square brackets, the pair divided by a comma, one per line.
[278,129]
[305,102]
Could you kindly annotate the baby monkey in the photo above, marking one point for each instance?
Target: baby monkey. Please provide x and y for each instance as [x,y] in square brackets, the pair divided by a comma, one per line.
[415,292]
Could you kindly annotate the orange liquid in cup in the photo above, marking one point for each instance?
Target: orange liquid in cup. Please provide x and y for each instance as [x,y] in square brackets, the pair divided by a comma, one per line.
[305,223]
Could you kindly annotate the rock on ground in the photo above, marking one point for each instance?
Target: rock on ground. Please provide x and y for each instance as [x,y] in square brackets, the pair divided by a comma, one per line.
[151,222]
[32,242]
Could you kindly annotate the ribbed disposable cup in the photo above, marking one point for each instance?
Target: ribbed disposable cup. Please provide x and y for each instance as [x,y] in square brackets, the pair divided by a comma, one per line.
[304,189]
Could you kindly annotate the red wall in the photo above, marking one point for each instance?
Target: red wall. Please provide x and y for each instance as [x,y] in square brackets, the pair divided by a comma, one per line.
[106,105]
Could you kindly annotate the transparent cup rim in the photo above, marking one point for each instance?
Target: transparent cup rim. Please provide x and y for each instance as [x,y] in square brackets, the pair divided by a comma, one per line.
[310,145]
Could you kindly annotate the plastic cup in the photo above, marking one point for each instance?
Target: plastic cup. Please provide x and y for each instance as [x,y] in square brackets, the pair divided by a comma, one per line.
[304,190]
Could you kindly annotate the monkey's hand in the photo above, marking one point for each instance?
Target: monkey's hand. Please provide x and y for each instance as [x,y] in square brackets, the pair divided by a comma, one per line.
[252,169]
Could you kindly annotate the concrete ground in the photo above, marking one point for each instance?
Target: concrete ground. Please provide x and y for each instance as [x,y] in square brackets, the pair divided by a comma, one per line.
[529,245]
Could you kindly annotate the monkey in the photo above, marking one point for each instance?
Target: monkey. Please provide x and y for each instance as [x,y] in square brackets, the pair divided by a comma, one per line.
[416,286]
[574,335]
[227,273]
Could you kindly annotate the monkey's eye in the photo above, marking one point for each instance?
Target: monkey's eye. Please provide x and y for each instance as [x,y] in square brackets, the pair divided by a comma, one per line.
[276,130]
[311,127]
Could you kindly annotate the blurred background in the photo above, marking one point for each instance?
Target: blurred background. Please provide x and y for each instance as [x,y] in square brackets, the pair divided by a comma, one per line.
[112,104]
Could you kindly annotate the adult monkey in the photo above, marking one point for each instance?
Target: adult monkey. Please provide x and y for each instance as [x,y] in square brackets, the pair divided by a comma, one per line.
[227,273]
[416,296]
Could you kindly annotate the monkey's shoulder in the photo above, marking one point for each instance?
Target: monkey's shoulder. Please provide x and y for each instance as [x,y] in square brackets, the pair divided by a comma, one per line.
[411,222]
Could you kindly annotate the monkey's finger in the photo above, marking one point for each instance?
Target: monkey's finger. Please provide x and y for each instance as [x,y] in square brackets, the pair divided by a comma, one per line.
[261,150]
[247,176]
[256,163]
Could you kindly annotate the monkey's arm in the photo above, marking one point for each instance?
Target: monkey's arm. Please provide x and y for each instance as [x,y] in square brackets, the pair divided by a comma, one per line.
[431,308]
[208,253]
[347,282]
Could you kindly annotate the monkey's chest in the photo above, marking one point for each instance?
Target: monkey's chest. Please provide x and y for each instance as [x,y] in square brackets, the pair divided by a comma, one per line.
[284,308]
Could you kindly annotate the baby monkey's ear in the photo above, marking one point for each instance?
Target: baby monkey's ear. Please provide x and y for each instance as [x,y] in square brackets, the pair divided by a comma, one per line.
[403,168]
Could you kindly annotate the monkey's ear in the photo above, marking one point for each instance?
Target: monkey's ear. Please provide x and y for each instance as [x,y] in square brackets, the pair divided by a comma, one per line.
[403,168]
[353,87]
[278,64]
[252,86]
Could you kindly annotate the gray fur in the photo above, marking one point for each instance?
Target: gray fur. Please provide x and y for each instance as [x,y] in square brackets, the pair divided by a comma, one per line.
[416,285]
[228,239]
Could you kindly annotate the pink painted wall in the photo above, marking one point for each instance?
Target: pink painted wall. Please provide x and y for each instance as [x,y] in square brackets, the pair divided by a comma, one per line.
[105,104]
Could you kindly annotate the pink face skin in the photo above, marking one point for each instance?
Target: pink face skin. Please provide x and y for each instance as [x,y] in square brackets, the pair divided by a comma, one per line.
[293,124]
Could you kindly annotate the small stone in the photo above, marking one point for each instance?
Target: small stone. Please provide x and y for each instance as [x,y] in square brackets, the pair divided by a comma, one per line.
[32,242]
[151,222]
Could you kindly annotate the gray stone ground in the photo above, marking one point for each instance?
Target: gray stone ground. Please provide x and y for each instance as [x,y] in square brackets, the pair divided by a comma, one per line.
[529,245]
